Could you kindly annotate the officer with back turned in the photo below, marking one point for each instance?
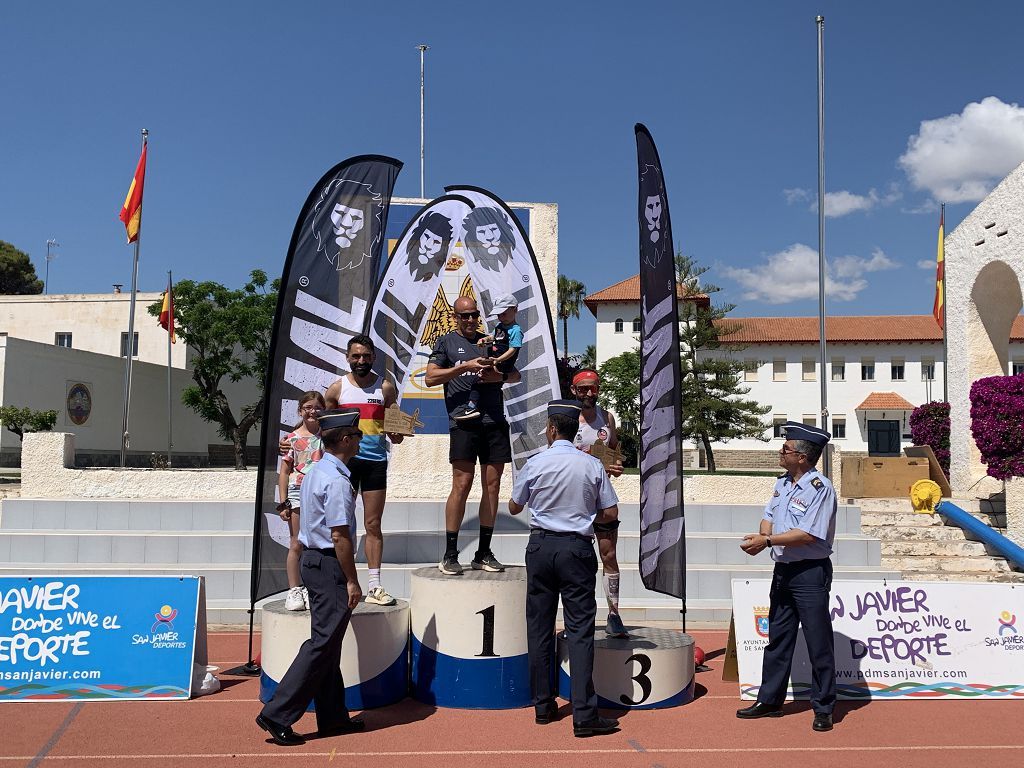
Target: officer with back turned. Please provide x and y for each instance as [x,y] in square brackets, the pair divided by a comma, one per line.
[569,495]
[798,526]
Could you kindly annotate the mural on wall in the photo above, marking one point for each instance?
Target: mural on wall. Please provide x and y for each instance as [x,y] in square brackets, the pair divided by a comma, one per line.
[78,403]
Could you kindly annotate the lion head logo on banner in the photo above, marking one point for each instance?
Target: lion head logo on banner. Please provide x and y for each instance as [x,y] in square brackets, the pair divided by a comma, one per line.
[346,222]
[652,194]
[489,237]
[427,248]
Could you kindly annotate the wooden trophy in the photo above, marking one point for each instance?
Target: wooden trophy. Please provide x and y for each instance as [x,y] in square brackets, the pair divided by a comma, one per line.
[400,423]
[608,456]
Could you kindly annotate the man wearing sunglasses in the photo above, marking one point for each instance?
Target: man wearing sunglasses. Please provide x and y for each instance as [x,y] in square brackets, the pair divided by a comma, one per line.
[455,362]
[798,528]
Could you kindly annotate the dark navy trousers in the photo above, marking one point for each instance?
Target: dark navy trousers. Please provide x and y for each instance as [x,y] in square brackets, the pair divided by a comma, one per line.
[800,596]
[561,565]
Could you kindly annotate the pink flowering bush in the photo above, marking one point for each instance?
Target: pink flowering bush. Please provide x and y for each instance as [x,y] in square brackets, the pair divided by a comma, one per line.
[929,425]
[997,423]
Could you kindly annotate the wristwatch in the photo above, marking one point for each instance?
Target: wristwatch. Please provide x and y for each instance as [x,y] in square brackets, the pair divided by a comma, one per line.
[767,541]
[286,504]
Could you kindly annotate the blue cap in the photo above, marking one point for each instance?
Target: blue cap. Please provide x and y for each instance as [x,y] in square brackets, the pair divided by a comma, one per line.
[339,417]
[565,408]
[794,430]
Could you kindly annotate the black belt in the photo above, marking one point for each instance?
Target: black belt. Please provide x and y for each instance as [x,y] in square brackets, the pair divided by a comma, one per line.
[329,552]
[562,534]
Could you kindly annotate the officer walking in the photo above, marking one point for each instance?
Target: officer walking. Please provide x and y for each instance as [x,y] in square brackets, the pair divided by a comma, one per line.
[327,531]
[568,492]
[798,526]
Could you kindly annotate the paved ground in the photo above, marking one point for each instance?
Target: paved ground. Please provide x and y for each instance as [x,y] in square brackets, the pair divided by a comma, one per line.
[219,730]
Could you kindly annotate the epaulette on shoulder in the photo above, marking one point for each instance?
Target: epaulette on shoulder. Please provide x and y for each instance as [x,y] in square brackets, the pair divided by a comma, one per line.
[816,483]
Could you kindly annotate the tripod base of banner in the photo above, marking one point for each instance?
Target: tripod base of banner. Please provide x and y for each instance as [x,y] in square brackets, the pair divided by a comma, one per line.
[469,647]
[651,669]
[374,655]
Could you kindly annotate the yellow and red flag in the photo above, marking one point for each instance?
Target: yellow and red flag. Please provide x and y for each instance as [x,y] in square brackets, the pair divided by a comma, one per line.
[939,308]
[131,211]
[167,312]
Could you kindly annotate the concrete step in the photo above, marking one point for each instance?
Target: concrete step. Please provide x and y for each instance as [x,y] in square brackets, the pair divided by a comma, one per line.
[905,519]
[932,547]
[1011,577]
[891,533]
[946,564]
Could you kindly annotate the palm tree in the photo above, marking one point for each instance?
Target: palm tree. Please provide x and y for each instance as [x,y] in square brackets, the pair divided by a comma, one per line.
[570,298]
[588,359]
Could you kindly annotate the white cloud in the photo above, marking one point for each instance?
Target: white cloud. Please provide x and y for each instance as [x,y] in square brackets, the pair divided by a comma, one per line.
[926,264]
[796,195]
[959,158]
[792,274]
[844,202]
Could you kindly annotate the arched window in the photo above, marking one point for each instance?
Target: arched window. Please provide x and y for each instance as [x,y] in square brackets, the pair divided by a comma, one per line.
[636,325]
[618,325]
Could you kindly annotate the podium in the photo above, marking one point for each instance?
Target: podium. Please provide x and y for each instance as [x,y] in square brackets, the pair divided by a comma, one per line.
[469,648]
[651,669]
[374,655]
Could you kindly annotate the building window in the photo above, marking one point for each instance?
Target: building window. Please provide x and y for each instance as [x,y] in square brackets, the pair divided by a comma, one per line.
[750,370]
[839,428]
[778,370]
[867,369]
[838,369]
[62,339]
[810,420]
[1017,368]
[135,344]
[618,325]
[636,325]
[777,422]
[898,369]
[927,369]
[808,370]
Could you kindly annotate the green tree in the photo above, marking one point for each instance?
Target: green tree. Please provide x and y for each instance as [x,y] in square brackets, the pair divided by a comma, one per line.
[17,275]
[570,298]
[713,405]
[229,332]
[620,392]
[588,360]
[22,420]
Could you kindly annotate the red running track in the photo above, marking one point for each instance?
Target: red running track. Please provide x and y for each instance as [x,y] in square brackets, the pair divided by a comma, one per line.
[219,730]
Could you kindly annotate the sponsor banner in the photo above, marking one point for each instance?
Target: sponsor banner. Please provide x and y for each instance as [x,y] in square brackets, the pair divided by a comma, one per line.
[900,640]
[662,541]
[97,637]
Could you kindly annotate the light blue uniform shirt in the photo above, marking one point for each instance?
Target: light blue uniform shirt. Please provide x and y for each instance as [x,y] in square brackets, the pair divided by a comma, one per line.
[808,504]
[328,500]
[565,488]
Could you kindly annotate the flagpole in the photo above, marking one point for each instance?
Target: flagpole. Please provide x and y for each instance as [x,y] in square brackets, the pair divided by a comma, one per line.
[170,330]
[822,340]
[423,49]
[945,343]
[131,334]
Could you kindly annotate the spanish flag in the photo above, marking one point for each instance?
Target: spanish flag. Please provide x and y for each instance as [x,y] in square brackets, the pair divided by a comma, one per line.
[131,211]
[939,308]
[167,312]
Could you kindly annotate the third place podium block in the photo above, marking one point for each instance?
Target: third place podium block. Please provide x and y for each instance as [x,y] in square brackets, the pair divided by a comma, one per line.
[469,639]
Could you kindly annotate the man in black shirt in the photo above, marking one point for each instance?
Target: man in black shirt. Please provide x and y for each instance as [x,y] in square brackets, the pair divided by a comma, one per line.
[456,363]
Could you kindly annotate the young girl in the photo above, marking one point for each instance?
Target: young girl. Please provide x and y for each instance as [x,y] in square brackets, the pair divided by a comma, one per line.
[305,450]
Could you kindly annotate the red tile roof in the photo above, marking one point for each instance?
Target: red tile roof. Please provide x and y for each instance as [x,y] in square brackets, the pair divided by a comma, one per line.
[843,330]
[885,401]
[628,290]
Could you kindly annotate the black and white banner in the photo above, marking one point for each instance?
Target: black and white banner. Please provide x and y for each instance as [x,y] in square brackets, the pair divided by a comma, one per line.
[329,274]
[405,295]
[662,533]
[501,260]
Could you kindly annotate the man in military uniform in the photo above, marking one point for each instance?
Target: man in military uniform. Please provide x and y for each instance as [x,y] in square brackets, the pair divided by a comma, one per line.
[327,531]
[798,526]
[568,492]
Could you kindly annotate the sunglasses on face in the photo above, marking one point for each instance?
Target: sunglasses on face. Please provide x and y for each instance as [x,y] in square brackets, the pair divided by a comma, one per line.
[587,390]
[468,315]
[786,451]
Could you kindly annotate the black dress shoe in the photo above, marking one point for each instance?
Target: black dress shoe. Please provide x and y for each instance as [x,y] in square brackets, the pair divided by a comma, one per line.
[345,726]
[596,727]
[545,715]
[757,709]
[822,722]
[283,735]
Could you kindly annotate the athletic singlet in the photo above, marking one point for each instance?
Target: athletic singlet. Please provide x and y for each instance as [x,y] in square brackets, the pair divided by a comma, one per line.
[370,401]
[589,432]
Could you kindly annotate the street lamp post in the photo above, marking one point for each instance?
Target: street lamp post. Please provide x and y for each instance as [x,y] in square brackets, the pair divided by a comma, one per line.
[51,243]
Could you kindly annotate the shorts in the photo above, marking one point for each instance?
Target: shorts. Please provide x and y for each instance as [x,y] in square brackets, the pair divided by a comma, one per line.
[368,475]
[489,443]
[507,366]
[294,494]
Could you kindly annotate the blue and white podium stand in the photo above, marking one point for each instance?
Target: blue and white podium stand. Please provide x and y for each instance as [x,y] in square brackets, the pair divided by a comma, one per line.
[469,639]
[374,655]
[651,669]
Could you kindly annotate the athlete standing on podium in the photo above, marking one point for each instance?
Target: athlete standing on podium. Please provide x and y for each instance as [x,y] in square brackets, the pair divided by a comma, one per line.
[567,492]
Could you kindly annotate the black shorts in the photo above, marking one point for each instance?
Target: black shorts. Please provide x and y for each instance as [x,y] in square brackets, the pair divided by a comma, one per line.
[489,443]
[368,475]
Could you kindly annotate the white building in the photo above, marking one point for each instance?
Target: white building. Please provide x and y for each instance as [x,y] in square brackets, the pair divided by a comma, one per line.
[879,369]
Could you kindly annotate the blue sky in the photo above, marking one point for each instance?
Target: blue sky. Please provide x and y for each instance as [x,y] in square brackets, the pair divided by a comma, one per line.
[249,103]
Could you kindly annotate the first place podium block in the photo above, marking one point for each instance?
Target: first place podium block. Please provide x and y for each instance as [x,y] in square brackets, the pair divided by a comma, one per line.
[469,646]
[651,669]
[374,654]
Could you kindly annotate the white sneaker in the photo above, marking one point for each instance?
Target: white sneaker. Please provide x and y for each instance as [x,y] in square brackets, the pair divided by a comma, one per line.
[294,601]
[305,598]
[379,596]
